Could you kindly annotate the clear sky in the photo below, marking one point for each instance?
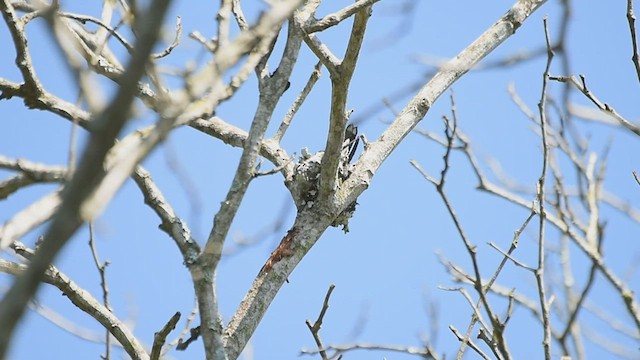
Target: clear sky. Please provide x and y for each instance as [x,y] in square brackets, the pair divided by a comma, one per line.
[386,269]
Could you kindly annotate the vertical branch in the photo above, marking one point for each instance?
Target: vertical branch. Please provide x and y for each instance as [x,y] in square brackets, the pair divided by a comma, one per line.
[67,43]
[315,328]
[539,274]
[340,80]
[631,18]
[224,13]
[102,267]
[239,15]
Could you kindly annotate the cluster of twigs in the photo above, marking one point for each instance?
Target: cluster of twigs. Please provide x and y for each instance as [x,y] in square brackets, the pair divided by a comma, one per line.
[90,183]
[574,210]
[110,159]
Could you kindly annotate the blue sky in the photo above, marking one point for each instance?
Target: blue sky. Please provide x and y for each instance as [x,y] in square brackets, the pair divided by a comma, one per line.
[385,270]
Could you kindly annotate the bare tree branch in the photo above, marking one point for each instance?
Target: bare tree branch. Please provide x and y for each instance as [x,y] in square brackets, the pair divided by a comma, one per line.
[340,81]
[83,300]
[582,87]
[29,173]
[160,337]
[315,328]
[70,215]
[539,274]
[631,18]
[416,109]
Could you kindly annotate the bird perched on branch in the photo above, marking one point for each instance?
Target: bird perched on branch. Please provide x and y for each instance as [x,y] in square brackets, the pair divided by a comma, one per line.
[349,146]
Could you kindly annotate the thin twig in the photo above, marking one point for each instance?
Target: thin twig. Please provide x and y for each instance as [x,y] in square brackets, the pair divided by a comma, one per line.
[581,85]
[498,344]
[631,18]
[466,339]
[411,350]
[315,328]
[297,103]
[174,44]
[185,331]
[160,337]
[112,31]
[275,170]
[102,267]
[539,274]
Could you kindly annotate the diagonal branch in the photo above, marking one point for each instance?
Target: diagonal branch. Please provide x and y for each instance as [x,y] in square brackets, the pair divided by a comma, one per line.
[604,107]
[88,304]
[171,224]
[29,218]
[306,230]
[297,103]
[338,16]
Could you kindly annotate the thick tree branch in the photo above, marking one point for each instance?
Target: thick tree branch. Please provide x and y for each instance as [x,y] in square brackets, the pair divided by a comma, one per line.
[307,229]
[323,53]
[45,101]
[237,137]
[160,337]
[340,81]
